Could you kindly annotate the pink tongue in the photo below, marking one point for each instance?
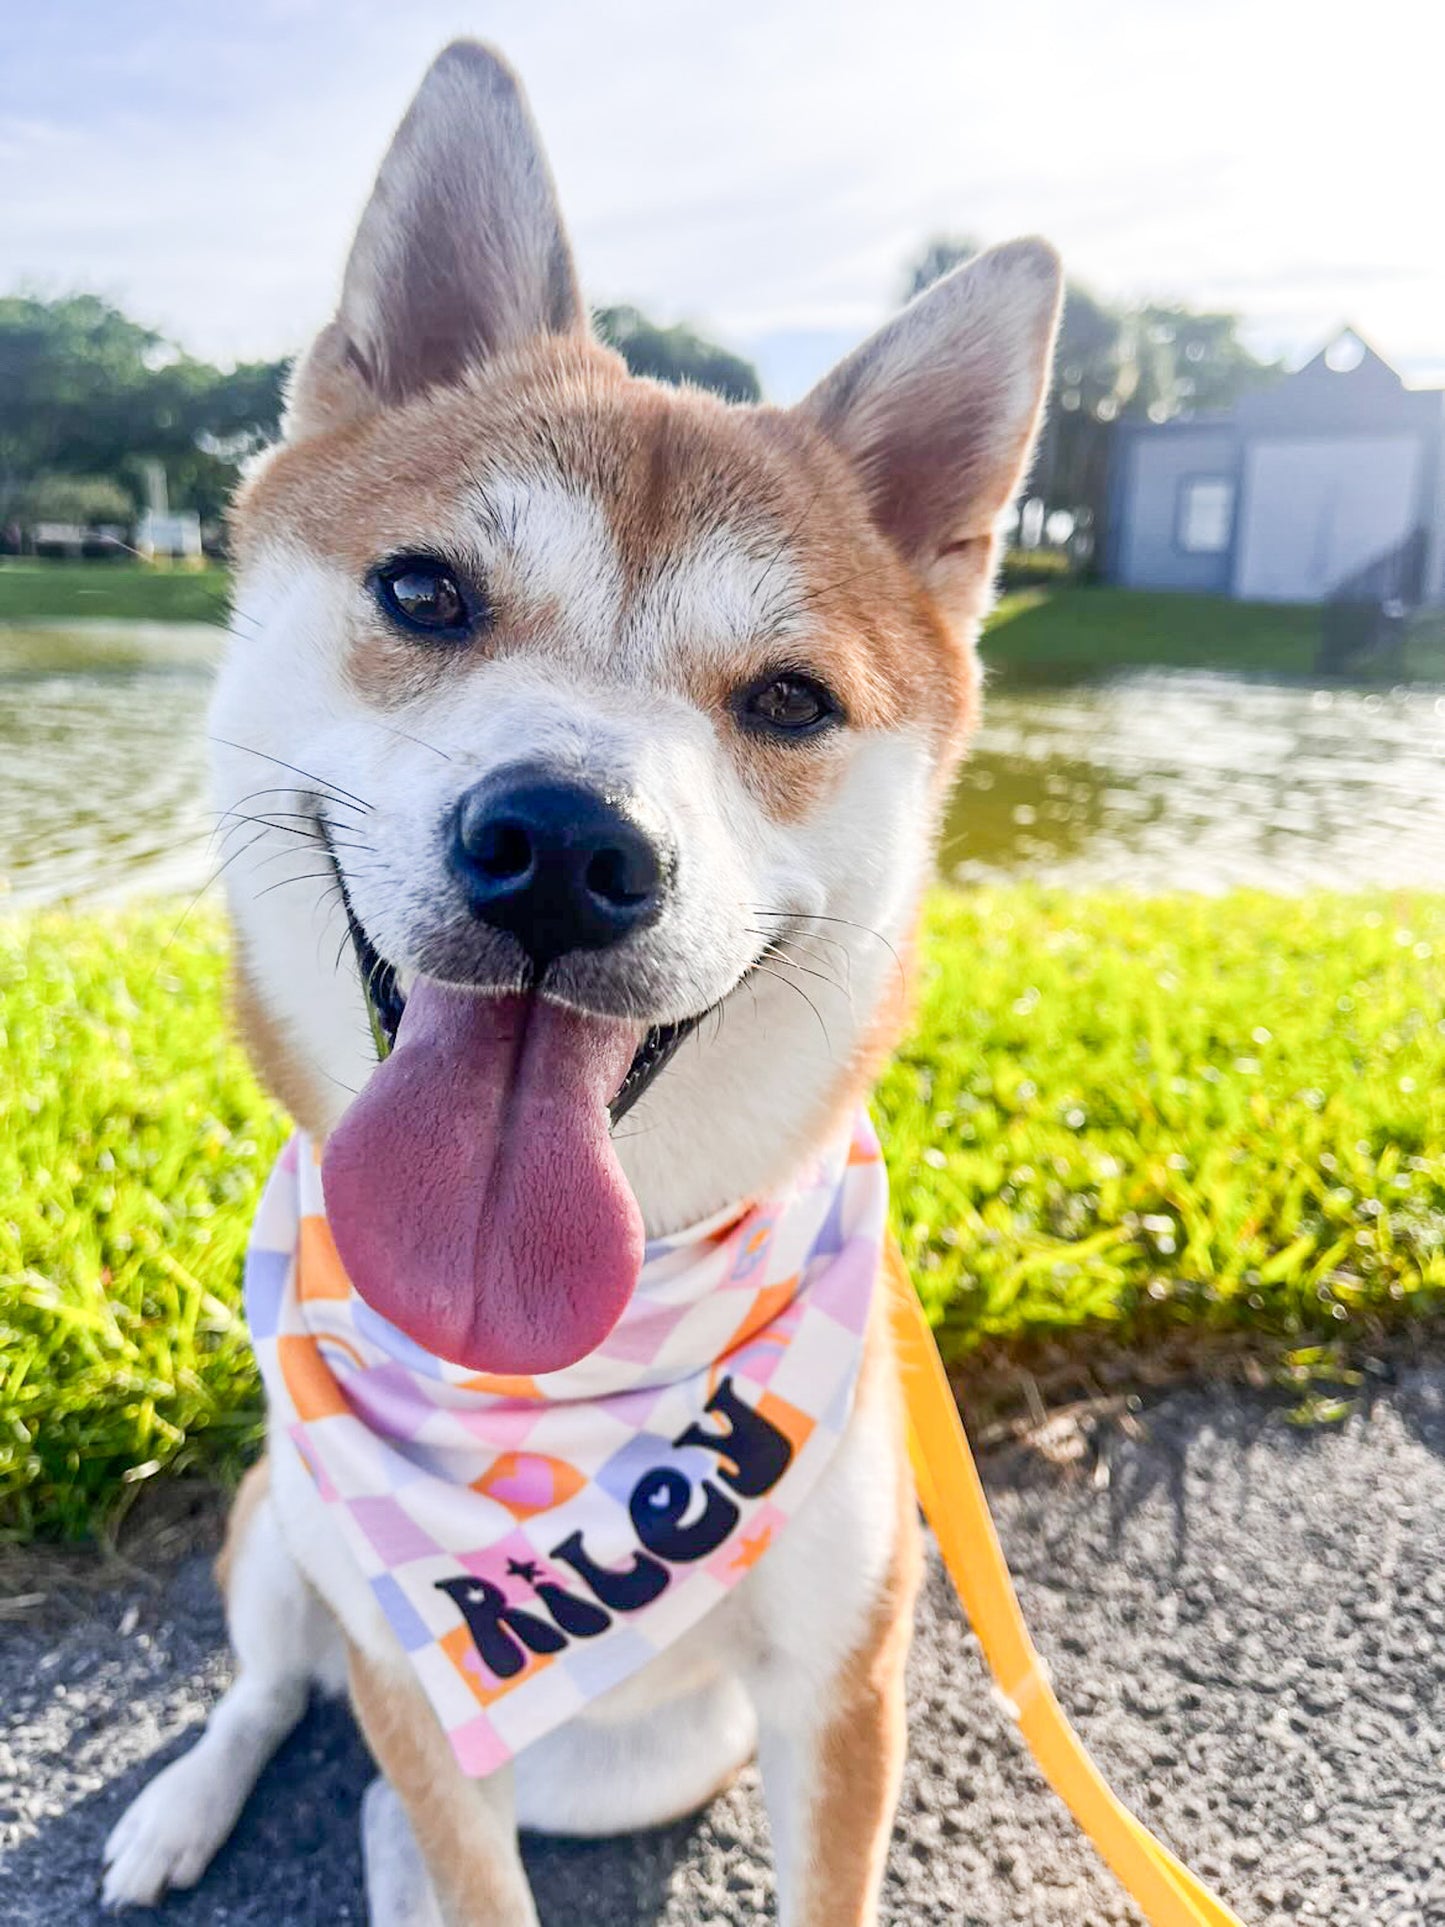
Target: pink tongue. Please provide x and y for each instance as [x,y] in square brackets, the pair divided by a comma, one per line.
[472,1188]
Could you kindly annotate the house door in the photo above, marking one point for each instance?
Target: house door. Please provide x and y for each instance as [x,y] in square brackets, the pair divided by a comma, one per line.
[1316,510]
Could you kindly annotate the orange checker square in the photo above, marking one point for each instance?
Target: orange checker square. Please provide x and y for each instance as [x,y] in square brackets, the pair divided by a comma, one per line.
[319,1270]
[458,1647]
[309,1379]
[501,1385]
[527,1483]
[795,1426]
[767,1305]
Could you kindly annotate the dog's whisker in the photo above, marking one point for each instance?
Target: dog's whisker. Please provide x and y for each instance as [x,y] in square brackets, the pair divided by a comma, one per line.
[420,741]
[334,791]
[775,949]
[763,970]
[805,917]
[309,876]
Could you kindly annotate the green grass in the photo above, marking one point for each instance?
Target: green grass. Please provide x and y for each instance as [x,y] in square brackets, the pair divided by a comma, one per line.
[1117,1119]
[117,591]
[1077,628]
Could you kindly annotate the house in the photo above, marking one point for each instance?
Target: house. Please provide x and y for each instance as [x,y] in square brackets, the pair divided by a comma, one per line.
[1330,484]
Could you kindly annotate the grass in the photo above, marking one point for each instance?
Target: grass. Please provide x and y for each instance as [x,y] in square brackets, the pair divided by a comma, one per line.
[1119,1120]
[1078,628]
[119,591]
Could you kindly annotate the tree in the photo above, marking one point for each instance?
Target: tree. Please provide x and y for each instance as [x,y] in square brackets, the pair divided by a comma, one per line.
[84,499]
[84,390]
[1145,363]
[676,355]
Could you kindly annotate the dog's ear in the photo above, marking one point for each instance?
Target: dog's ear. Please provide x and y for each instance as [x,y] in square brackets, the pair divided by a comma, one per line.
[938,412]
[461,251]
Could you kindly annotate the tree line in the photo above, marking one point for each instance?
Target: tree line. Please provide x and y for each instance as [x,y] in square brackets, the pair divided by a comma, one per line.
[89,397]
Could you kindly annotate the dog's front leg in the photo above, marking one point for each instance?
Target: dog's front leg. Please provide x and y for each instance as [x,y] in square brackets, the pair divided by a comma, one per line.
[832,1618]
[830,1779]
[465,1830]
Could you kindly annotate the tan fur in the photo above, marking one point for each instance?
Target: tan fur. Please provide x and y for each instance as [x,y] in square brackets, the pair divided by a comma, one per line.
[251,1493]
[861,1749]
[471,1859]
[276,1059]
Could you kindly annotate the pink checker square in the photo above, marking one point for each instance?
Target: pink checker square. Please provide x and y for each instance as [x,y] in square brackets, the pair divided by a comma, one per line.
[477,1748]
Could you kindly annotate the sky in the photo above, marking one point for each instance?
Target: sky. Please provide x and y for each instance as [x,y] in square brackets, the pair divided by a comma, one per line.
[764,171]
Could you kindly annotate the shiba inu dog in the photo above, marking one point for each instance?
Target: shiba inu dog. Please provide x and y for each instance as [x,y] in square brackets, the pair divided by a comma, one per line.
[606,727]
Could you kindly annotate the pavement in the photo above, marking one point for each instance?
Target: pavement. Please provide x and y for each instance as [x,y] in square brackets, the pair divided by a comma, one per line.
[1245,1619]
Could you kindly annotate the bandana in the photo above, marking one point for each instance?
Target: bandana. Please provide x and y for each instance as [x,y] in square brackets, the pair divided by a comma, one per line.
[533,1542]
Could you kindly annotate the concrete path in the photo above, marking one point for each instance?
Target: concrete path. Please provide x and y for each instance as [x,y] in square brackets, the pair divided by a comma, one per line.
[1246,1620]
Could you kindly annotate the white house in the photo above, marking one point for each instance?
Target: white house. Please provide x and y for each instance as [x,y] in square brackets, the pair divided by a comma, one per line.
[1329,483]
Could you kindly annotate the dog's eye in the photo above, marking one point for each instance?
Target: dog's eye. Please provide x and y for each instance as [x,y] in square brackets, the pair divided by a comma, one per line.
[424,595]
[785,703]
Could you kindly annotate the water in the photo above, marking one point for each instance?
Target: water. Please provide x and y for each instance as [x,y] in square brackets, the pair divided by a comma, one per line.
[1166,780]
[1152,780]
[102,748]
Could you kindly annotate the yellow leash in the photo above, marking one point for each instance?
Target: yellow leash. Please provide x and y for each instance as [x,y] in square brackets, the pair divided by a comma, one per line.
[953,1499]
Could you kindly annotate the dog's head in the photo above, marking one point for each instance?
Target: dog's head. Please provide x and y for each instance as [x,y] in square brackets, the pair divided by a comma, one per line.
[584,739]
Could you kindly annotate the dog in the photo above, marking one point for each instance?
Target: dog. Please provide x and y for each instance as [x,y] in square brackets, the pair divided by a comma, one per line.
[630,715]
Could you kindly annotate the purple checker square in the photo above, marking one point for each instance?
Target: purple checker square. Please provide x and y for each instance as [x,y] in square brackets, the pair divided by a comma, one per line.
[628,1463]
[385,1399]
[404,1619]
[596,1665]
[831,1234]
[393,1341]
[640,1338]
[265,1284]
[845,1289]
[634,1409]
[395,1534]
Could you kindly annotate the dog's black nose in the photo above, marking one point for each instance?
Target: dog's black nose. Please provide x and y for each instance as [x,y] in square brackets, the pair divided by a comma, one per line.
[557,865]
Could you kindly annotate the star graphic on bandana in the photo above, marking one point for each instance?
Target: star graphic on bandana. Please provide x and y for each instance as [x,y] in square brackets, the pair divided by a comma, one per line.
[523,1569]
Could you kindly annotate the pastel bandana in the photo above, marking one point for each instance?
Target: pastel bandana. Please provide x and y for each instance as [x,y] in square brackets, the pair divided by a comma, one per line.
[535,1541]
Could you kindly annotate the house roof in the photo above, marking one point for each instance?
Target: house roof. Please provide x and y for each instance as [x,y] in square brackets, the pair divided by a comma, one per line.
[1346,386]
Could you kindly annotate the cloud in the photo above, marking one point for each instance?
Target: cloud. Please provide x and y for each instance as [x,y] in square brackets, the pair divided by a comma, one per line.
[765,173]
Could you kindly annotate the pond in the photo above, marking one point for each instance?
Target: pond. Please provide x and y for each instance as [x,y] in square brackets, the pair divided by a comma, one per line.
[1150,780]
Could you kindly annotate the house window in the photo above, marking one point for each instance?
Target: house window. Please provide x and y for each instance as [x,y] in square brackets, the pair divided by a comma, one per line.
[1206,514]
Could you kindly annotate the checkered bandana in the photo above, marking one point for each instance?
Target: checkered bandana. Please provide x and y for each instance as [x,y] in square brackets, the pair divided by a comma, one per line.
[535,1541]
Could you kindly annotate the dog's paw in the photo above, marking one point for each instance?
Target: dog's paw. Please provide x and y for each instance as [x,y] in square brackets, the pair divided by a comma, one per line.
[166,1837]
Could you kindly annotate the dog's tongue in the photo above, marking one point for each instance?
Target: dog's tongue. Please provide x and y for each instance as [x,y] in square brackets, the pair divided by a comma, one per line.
[472,1188]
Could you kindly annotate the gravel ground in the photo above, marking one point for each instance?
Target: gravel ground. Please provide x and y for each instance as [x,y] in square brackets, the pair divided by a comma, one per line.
[1246,1620]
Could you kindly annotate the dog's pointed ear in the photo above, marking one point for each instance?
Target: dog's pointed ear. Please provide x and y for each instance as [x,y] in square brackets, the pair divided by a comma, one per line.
[938,412]
[461,252]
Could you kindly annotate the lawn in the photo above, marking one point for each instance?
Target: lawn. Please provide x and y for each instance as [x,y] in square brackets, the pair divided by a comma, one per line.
[1069,630]
[134,591]
[1117,1120]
